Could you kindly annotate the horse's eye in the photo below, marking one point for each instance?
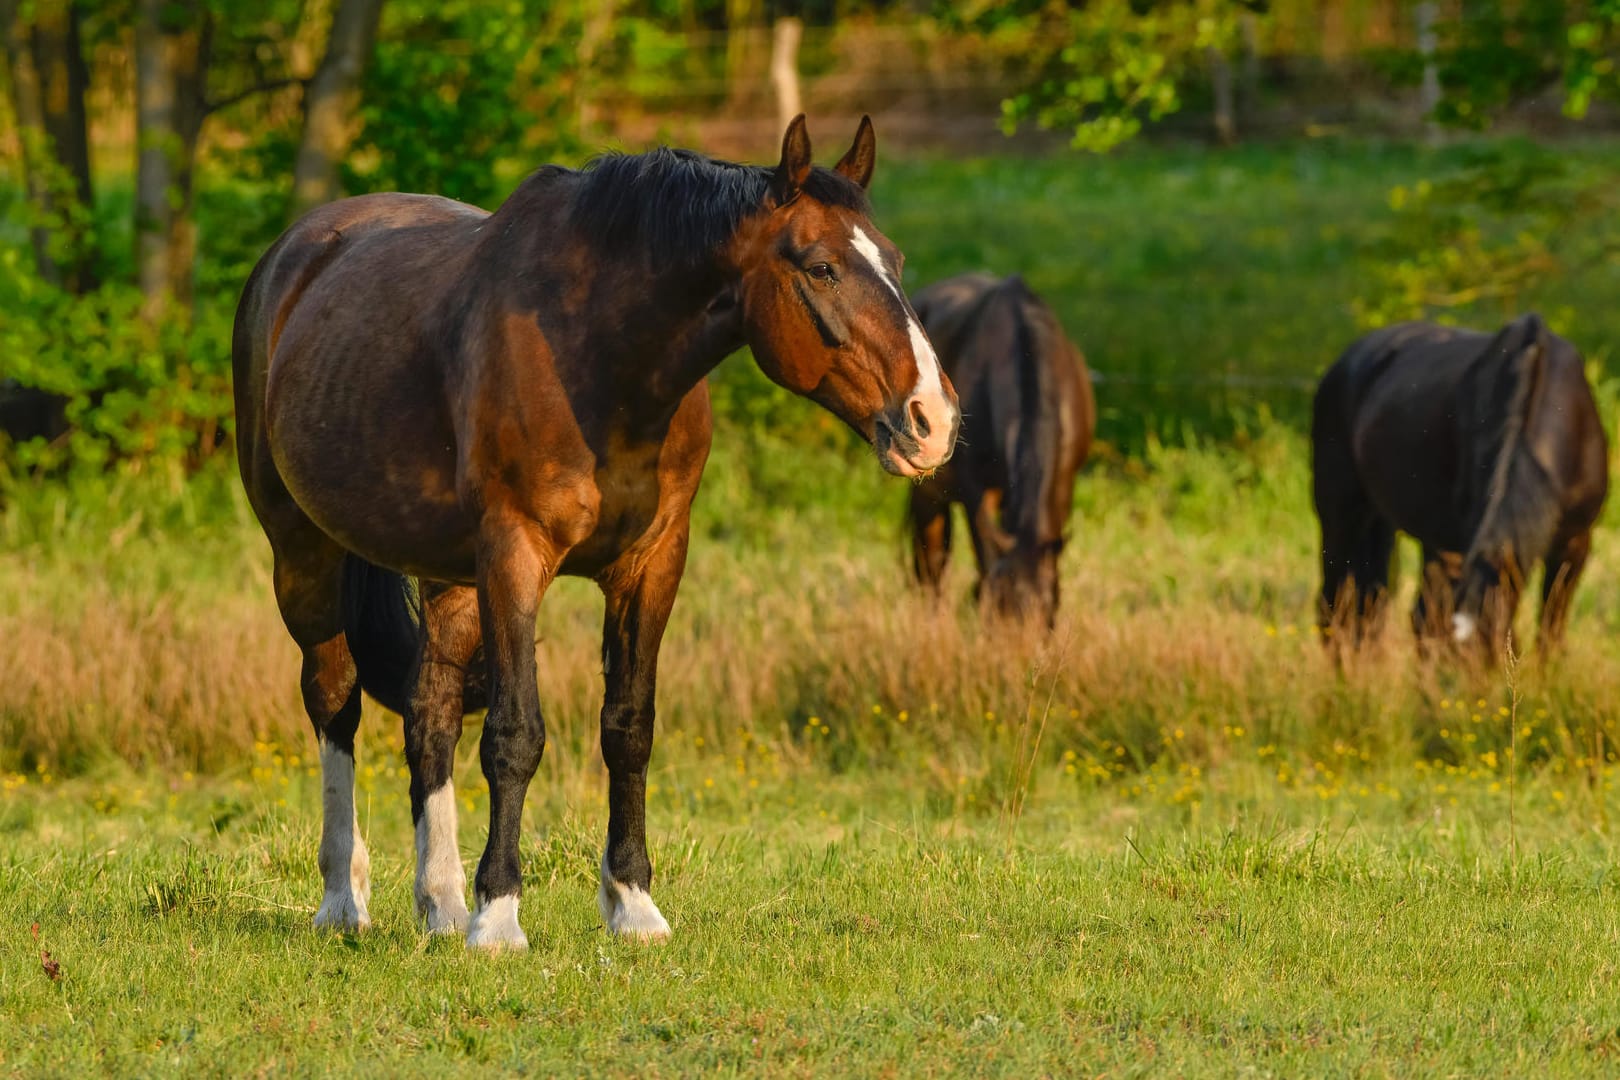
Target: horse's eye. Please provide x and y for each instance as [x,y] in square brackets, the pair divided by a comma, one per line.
[821,271]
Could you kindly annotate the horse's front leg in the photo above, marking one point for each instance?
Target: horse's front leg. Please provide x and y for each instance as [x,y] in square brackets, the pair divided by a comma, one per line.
[639,592]
[514,568]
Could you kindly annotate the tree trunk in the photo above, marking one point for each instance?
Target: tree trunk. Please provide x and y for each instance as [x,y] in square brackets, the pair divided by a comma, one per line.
[30,113]
[1249,104]
[1429,95]
[172,44]
[785,69]
[330,103]
[48,84]
[1220,77]
[743,23]
[596,32]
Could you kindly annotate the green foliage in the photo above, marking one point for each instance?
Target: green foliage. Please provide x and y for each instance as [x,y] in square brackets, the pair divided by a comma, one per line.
[1590,70]
[137,393]
[1487,238]
[1100,69]
[456,90]
[1492,55]
[1515,219]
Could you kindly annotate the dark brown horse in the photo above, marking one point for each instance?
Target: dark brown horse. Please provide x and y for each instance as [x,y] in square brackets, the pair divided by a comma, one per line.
[484,401]
[1028,417]
[1487,449]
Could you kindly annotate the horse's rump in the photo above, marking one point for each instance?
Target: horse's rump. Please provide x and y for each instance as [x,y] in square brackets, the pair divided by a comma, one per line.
[1511,499]
[1028,416]
[1028,410]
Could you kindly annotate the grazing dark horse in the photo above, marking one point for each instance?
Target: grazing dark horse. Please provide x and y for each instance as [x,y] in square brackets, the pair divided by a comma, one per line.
[484,401]
[1487,449]
[1028,417]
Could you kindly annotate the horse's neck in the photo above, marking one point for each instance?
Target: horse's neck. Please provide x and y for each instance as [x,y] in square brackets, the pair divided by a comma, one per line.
[659,347]
[647,335]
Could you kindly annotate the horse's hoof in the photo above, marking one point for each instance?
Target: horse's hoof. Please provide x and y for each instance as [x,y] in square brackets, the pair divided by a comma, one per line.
[444,917]
[494,927]
[629,912]
[342,913]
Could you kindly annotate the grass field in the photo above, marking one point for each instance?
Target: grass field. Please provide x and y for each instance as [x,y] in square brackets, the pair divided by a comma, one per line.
[835,925]
[1171,838]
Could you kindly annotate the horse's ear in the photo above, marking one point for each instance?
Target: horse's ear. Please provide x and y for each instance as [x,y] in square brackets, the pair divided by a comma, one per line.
[862,157]
[795,167]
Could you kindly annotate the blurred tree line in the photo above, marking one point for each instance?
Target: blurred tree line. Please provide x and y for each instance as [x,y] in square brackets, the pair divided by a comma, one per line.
[126,231]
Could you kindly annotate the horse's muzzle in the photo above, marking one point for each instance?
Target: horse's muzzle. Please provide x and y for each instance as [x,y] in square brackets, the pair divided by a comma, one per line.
[919,437]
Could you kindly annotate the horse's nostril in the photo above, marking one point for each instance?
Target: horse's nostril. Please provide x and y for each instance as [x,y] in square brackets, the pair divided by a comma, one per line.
[919,420]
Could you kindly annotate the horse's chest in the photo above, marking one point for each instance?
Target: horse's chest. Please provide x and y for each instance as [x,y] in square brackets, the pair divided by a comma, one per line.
[627,511]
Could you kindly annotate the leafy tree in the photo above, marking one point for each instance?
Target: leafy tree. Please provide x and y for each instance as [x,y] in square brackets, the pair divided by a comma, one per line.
[1099,69]
[457,88]
[1486,236]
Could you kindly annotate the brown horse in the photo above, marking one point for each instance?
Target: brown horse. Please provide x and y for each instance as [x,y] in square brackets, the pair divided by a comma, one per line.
[484,401]
[1486,448]
[1028,420]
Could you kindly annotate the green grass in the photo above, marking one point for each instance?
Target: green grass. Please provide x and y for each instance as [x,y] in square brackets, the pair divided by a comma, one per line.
[830,925]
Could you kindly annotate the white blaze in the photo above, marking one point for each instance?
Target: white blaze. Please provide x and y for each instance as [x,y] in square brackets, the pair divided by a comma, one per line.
[928,372]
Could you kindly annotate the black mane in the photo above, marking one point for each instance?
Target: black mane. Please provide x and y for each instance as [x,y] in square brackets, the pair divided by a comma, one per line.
[680,206]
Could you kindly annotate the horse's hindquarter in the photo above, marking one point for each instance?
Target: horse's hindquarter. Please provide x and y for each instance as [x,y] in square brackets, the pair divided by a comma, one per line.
[356,413]
[1565,435]
[1079,409]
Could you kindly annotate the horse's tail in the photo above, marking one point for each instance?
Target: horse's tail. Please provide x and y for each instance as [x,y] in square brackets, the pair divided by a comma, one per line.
[1517,502]
[1038,438]
[382,620]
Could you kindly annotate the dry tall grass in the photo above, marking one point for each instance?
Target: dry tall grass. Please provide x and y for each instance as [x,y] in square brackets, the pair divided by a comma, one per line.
[1184,629]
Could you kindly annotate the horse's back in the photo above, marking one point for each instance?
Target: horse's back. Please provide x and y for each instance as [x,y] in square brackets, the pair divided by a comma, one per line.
[381,230]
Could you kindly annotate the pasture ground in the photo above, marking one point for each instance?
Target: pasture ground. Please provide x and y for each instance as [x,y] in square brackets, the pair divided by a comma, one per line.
[836,926]
[1172,838]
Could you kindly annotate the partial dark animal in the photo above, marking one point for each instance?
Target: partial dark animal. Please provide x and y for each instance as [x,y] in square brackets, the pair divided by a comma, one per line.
[1486,448]
[440,409]
[1027,422]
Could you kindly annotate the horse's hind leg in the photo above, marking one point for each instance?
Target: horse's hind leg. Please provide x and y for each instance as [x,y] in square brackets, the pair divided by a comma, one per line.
[1355,576]
[432,729]
[308,584]
[1564,563]
[930,513]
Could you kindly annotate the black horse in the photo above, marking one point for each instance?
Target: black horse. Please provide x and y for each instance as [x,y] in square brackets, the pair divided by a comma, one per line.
[1487,449]
[1027,421]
